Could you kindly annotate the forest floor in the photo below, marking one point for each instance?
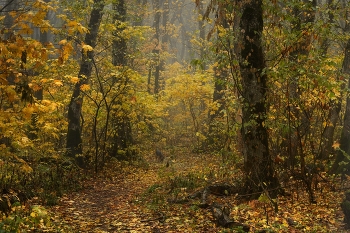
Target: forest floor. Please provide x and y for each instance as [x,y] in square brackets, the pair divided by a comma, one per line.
[130,199]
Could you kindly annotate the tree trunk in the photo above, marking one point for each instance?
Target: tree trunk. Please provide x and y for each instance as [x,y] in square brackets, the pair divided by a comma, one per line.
[122,138]
[258,164]
[74,140]
[335,105]
[156,51]
[299,122]
[328,133]
[215,135]
[345,133]
[201,29]
[119,43]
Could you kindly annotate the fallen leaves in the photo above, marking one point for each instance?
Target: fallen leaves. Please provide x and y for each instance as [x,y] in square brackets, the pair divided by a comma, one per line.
[119,204]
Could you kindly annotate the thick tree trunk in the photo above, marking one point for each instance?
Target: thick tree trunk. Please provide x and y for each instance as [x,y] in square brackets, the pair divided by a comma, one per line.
[119,43]
[74,140]
[258,164]
[345,133]
[122,138]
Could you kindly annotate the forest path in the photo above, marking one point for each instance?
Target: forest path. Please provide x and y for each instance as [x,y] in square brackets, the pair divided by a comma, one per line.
[114,201]
[134,199]
[106,205]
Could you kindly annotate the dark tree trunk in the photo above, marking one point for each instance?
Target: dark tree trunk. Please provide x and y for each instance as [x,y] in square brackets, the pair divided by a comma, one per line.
[335,105]
[74,140]
[328,133]
[258,165]
[119,43]
[156,51]
[345,133]
[201,33]
[122,138]
[215,135]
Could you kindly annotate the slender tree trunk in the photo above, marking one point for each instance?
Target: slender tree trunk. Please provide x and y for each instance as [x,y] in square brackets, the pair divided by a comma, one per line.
[164,42]
[156,25]
[74,140]
[201,33]
[299,122]
[258,165]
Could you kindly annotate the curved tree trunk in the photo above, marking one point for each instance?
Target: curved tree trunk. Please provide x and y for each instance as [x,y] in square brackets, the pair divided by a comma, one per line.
[258,164]
[74,140]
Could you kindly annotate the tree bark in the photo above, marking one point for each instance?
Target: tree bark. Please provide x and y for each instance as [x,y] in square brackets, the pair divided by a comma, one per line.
[258,165]
[74,140]
[156,51]
[215,135]
[335,105]
[345,133]
[122,138]
[119,43]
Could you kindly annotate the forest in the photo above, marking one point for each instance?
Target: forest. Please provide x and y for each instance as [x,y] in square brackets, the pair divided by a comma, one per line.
[174,116]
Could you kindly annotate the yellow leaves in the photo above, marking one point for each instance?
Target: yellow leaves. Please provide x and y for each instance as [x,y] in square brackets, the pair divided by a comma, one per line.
[51,130]
[62,42]
[58,83]
[42,5]
[74,80]
[38,18]
[65,51]
[26,168]
[35,87]
[47,106]
[15,49]
[74,26]
[85,87]
[28,111]
[87,48]
[336,145]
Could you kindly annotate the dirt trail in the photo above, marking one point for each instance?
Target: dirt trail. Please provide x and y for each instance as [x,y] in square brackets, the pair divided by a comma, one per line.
[132,199]
[111,203]
[105,205]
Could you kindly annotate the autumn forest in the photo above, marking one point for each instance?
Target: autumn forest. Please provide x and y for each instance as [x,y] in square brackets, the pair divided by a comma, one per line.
[174,116]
